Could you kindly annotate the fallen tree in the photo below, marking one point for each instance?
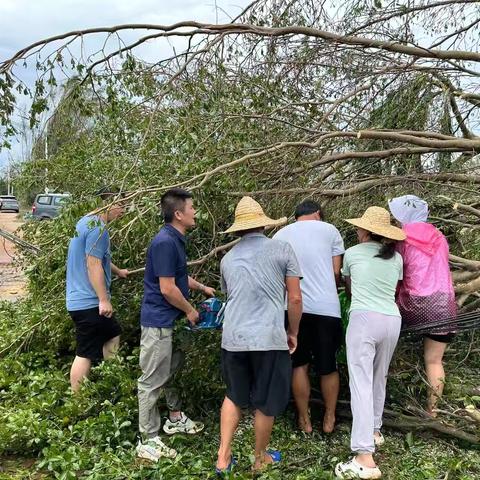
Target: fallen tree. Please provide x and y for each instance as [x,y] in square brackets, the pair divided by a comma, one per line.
[287,102]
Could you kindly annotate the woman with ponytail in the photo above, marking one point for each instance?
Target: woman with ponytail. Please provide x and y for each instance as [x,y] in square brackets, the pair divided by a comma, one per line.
[372,270]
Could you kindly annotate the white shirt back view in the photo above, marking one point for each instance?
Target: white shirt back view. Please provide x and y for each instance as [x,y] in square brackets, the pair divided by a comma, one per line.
[315,243]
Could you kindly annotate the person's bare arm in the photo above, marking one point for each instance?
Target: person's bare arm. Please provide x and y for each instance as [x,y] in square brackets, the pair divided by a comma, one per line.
[337,267]
[294,307]
[195,285]
[348,287]
[119,272]
[96,276]
[174,297]
[399,287]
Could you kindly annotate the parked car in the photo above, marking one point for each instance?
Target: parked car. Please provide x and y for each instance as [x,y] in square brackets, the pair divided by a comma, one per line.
[48,205]
[9,202]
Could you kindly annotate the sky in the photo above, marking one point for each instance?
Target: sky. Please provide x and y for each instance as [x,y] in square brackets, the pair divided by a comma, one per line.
[23,22]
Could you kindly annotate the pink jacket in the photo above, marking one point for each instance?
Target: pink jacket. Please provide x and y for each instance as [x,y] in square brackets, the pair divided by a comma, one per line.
[425,260]
[426,295]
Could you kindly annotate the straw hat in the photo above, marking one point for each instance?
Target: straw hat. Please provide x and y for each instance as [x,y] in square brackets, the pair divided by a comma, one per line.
[249,214]
[377,220]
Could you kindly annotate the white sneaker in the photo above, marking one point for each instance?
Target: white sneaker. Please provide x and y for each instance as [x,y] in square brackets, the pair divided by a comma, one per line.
[352,469]
[182,425]
[379,439]
[154,449]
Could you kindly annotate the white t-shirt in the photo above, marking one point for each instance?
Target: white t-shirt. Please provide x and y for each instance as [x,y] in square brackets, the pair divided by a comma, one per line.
[314,244]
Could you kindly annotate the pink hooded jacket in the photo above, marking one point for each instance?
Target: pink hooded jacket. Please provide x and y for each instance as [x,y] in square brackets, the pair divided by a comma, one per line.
[426,294]
[425,258]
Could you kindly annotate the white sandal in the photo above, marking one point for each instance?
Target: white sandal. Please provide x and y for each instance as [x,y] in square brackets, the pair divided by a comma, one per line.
[182,425]
[352,469]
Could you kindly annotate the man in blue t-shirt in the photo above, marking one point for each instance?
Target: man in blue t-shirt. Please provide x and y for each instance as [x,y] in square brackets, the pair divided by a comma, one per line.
[89,271]
[166,293]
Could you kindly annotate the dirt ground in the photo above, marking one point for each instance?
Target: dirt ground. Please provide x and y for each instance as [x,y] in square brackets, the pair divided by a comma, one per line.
[12,281]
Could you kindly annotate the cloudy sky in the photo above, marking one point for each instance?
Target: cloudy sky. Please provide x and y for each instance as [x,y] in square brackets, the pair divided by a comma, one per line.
[23,22]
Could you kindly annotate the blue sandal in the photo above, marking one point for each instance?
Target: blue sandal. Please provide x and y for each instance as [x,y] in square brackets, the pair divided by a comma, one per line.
[276,455]
[225,471]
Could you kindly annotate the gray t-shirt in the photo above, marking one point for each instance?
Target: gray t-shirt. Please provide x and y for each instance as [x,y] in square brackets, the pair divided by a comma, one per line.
[253,277]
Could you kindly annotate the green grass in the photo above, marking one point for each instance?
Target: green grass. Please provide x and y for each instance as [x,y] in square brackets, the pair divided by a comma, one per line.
[46,433]
[404,456]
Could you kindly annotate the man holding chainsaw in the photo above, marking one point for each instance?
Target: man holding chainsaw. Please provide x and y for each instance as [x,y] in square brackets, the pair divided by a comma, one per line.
[166,293]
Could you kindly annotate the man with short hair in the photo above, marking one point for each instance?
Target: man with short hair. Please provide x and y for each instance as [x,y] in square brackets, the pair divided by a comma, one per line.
[89,271]
[319,249]
[256,363]
[166,293]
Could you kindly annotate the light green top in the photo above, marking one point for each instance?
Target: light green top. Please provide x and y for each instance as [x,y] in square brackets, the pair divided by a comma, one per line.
[374,280]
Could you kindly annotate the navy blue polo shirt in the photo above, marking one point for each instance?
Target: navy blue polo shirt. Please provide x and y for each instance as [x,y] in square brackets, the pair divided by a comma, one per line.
[166,257]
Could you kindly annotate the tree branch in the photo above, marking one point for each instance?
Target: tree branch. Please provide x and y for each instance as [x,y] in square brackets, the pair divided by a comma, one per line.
[407,10]
[365,185]
[202,260]
[467,208]
[465,262]
[240,28]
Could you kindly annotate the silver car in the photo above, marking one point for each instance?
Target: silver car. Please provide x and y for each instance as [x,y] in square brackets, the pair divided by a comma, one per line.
[48,205]
[9,202]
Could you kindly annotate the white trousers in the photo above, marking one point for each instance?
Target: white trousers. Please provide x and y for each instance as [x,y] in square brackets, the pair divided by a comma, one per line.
[371,341]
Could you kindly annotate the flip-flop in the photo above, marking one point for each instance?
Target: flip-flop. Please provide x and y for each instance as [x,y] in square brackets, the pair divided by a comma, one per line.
[276,455]
[225,471]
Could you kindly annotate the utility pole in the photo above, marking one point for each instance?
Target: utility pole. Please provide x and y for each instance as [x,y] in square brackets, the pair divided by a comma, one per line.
[46,157]
[9,180]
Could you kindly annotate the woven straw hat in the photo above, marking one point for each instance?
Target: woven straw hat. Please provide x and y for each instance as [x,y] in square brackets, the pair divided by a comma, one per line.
[377,220]
[249,214]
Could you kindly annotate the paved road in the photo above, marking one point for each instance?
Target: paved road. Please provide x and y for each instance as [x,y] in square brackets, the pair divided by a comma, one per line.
[12,282]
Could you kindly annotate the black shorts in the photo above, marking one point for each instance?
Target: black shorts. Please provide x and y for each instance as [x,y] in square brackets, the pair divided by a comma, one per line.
[319,339]
[92,331]
[258,379]
[443,338]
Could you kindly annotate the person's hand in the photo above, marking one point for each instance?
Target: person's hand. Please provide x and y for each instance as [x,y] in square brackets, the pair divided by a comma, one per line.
[193,316]
[209,291]
[292,342]
[105,308]
[123,273]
